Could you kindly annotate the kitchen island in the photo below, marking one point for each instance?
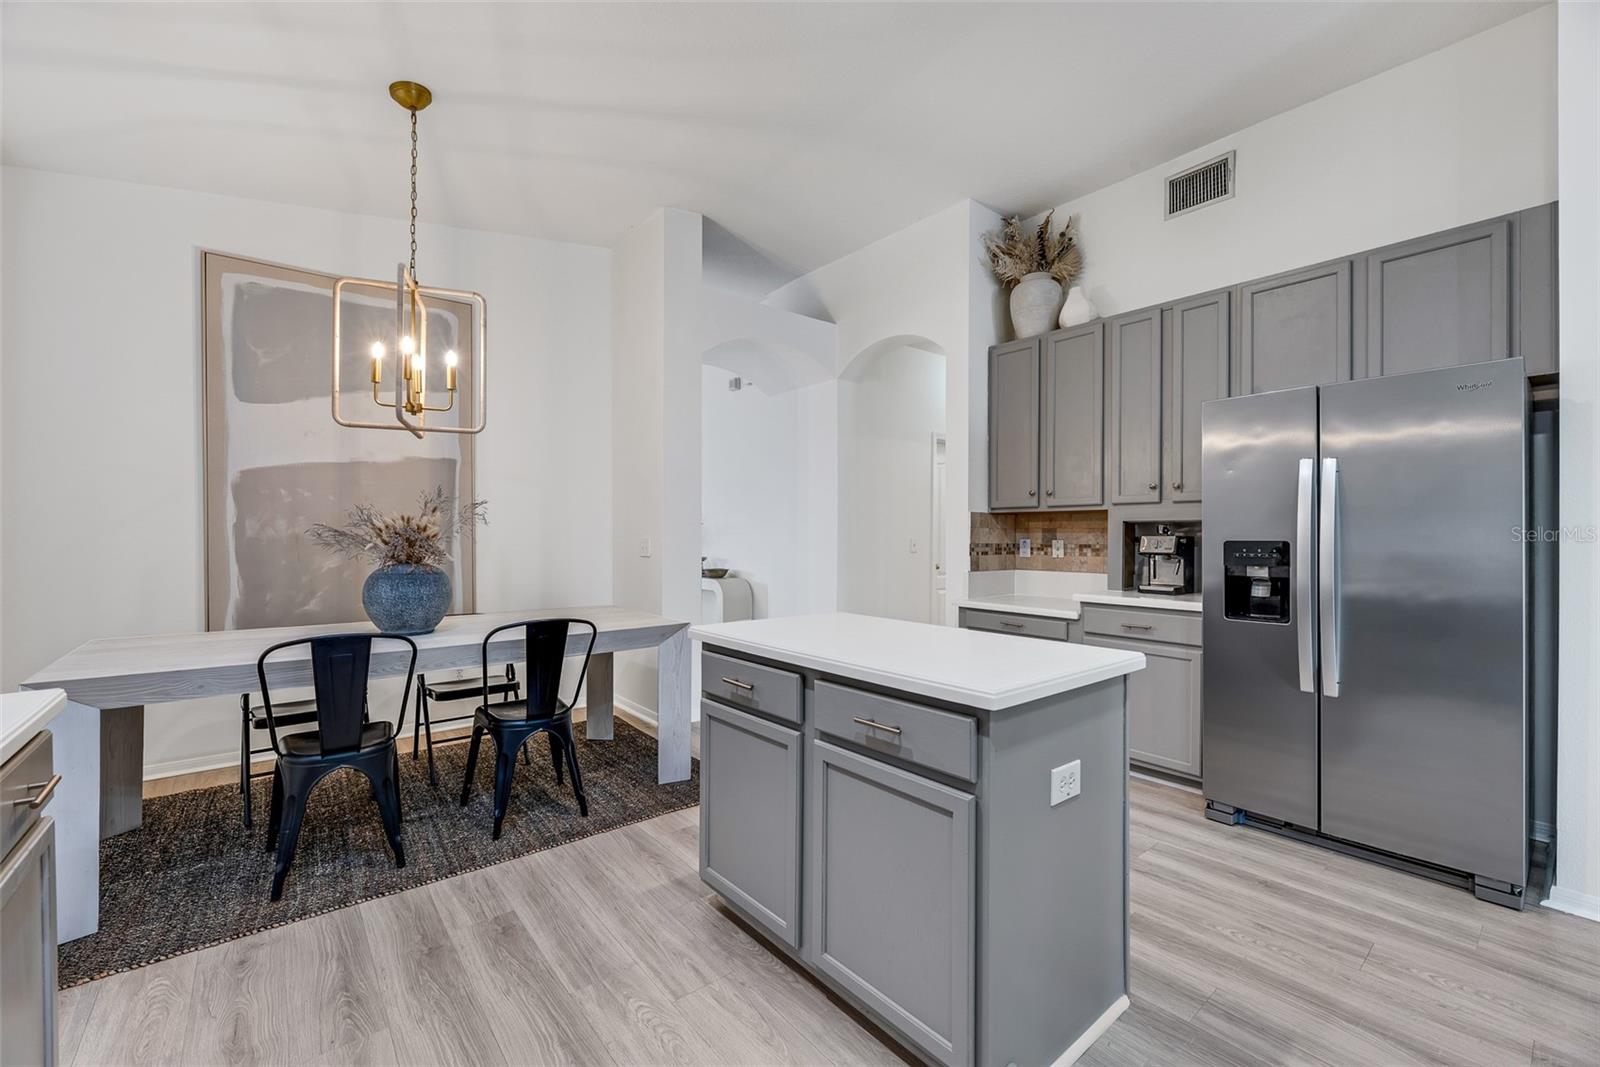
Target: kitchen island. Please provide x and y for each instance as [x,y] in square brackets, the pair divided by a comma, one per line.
[932,821]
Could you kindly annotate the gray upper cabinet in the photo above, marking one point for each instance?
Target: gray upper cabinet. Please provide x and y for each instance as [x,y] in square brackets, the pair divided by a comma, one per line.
[1135,456]
[1440,301]
[1198,367]
[1014,425]
[1533,273]
[892,896]
[1074,417]
[750,816]
[1295,329]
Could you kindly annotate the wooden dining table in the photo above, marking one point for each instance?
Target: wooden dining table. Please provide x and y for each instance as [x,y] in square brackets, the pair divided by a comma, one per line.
[99,738]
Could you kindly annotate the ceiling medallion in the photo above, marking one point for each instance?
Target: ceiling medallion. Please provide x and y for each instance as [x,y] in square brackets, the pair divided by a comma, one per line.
[408,345]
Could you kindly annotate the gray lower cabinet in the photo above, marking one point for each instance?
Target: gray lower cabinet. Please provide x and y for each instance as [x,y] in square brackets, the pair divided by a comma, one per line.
[1164,705]
[750,771]
[1295,329]
[1014,425]
[1198,366]
[1440,301]
[892,881]
[1073,416]
[28,906]
[1136,380]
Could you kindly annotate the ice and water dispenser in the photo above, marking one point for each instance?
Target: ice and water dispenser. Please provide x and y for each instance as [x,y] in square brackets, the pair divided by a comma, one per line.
[1256,580]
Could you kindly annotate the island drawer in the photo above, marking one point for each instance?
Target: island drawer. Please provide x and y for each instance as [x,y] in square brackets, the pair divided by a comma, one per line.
[939,740]
[1173,627]
[1022,625]
[751,686]
[26,781]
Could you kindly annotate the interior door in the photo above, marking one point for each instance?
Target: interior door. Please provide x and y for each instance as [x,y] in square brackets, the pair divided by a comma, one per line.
[1423,616]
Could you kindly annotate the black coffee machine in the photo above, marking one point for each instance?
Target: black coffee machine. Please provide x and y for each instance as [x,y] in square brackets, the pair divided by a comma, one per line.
[1166,562]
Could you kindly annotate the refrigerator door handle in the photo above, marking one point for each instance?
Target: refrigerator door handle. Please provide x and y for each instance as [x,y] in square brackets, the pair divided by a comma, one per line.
[1304,609]
[1328,576]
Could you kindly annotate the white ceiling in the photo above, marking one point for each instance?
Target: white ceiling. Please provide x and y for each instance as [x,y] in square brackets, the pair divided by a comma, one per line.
[808,130]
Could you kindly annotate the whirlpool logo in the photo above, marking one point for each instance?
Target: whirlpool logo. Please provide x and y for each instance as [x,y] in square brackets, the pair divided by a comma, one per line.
[1472,387]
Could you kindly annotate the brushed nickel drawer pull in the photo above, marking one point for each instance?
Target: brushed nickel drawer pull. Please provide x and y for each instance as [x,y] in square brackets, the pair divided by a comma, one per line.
[746,686]
[39,799]
[885,727]
[1137,626]
[1012,625]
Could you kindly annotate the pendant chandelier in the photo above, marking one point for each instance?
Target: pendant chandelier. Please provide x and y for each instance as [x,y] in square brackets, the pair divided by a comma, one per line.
[406,350]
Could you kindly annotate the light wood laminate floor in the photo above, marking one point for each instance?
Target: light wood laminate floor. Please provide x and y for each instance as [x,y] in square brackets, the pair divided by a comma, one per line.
[1247,949]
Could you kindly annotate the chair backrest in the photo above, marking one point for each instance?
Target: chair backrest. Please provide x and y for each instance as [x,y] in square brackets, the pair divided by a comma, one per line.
[546,643]
[340,665]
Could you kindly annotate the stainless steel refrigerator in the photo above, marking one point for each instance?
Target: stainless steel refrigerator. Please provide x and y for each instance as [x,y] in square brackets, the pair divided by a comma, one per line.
[1365,619]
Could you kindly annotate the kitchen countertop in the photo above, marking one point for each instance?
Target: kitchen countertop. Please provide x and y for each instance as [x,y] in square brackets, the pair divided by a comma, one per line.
[986,671]
[1069,607]
[24,714]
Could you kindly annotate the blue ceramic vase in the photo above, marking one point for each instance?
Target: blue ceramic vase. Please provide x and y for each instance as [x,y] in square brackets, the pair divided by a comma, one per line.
[405,598]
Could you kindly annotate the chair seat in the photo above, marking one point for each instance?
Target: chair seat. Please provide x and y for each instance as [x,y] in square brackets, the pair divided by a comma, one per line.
[517,711]
[309,743]
[467,687]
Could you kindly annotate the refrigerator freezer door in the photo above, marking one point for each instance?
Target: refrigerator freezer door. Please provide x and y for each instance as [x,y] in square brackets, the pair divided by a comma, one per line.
[1259,732]
[1423,748]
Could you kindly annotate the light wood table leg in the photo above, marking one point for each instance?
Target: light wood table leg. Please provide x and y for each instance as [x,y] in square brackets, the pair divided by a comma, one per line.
[601,700]
[673,708]
[121,770]
[75,740]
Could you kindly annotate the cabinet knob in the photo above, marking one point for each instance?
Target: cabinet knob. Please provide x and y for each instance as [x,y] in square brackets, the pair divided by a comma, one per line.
[1033,492]
[1177,485]
[1049,492]
[1153,486]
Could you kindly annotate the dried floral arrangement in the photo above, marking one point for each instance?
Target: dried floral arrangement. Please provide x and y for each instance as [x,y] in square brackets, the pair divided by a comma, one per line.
[1015,253]
[422,539]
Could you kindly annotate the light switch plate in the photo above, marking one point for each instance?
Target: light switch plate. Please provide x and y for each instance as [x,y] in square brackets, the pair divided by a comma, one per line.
[1058,548]
[1024,547]
[1066,782]
[644,548]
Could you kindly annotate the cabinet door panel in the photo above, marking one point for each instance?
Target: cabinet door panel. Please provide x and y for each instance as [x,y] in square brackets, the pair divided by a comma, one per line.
[1533,270]
[1136,408]
[750,816]
[1440,301]
[1014,425]
[1199,370]
[891,892]
[1074,417]
[28,933]
[1164,705]
[1295,329]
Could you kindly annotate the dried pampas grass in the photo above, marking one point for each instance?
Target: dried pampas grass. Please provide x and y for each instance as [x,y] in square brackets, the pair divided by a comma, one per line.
[422,539]
[1014,253]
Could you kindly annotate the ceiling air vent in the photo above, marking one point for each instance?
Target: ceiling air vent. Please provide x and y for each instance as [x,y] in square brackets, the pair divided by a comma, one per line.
[1198,186]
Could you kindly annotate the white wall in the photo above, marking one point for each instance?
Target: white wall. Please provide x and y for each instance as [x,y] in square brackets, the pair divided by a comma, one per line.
[655,428]
[890,405]
[1462,134]
[101,393]
[750,490]
[1577,878]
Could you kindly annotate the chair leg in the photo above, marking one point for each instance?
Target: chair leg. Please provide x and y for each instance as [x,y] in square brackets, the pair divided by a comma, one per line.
[294,813]
[572,765]
[416,721]
[244,755]
[427,732]
[505,698]
[556,754]
[394,758]
[472,763]
[275,816]
[387,787]
[505,765]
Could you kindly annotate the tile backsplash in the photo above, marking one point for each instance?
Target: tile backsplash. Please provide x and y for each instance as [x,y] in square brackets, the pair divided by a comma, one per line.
[995,536]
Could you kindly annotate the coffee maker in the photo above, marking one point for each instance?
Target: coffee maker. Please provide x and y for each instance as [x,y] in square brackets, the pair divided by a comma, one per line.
[1166,562]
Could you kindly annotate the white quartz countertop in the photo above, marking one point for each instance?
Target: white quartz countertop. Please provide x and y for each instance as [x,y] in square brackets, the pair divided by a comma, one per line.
[1132,598]
[990,672]
[24,714]
[1054,607]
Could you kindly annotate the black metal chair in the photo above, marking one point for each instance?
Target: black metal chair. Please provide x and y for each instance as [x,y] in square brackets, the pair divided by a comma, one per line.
[513,723]
[292,713]
[504,686]
[344,737]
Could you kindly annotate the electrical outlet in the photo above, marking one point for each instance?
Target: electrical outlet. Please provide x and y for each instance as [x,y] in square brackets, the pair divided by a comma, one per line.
[1058,548]
[1024,547]
[644,548]
[1066,782]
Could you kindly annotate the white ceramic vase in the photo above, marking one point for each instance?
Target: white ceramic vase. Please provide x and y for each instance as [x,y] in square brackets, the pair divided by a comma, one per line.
[1077,309]
[1034,304]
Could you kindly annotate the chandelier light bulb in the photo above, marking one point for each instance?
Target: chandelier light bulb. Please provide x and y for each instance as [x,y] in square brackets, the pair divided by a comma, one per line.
[377,350]
[407,344]
[450,358]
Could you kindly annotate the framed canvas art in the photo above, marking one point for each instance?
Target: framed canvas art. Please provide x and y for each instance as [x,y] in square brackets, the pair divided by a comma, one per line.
[276,462]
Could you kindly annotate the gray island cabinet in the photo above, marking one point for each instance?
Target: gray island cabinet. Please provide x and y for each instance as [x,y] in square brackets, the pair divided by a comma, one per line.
[892,804]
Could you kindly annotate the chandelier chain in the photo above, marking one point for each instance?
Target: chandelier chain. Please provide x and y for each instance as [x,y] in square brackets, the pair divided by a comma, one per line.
[413,192]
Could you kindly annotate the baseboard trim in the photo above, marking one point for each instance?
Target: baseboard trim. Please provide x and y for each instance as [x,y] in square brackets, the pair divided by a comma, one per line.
[1091,1035]
[1573,902]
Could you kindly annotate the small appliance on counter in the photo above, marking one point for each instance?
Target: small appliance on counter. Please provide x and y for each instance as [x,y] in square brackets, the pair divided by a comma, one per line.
[1166,562]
